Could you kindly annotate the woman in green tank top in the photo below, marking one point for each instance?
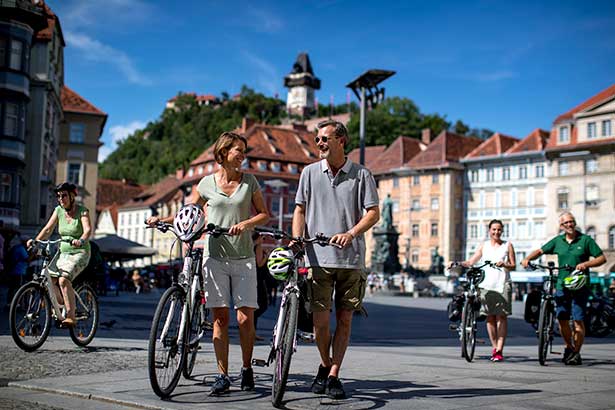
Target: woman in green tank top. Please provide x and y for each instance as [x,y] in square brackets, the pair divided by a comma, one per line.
[74,227]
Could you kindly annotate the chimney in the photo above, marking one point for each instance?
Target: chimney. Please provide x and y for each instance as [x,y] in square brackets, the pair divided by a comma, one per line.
[426,136]
[246,123]
[299,127]
[179,173]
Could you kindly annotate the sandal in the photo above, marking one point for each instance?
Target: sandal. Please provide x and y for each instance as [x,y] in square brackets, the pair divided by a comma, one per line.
[68,322]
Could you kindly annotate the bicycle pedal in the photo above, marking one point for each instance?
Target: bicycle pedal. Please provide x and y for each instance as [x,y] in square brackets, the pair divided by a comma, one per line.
[259,363]
[207,326]
[453,327]
[306,337]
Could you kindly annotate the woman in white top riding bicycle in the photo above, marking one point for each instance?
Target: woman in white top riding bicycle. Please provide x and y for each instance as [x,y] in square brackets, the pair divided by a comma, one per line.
[496,288]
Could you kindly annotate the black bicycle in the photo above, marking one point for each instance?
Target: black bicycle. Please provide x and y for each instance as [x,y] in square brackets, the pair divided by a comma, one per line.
[284,340]
[546,319]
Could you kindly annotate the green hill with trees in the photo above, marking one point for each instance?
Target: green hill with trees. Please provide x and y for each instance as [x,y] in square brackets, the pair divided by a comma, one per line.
[181,134]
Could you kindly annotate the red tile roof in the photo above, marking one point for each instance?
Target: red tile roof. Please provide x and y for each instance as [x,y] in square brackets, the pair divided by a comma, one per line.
[111,192]
[402,150]
[590,102]
[536,141]
[312,123]
[497,144]
[371,153]
[445,150]
[159,192]
[46,34]
[73,102]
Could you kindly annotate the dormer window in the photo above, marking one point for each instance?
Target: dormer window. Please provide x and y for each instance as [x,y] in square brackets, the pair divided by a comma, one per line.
[564,134]
[191,172]
[210,167]
[200,169]
[293,168]
[245,164]
[275,166]
[262,166]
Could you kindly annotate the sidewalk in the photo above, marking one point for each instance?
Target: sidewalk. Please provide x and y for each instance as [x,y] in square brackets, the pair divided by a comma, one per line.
[414,375]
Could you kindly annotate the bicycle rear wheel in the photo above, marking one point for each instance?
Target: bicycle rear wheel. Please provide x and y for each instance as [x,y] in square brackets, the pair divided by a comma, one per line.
[468,330]
[284,352]
[30,317]
[164,354]
[545,330]
[86,312]
[193,338]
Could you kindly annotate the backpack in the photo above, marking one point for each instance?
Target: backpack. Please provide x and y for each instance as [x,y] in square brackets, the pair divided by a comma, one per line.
[455,307]
[532,307]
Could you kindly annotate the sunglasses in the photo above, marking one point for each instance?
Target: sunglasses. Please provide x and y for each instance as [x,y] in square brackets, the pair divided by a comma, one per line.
[324,138]
[62,196]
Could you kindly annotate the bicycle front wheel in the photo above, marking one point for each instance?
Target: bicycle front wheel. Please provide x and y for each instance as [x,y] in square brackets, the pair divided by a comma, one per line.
[86,313]
[468,330]
[545,330]
[165,356]
[30,317]
[284,351]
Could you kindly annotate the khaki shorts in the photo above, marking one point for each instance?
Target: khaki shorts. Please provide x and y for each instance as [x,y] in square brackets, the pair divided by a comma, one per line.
[230,278]
[68,265]
[496,303]
[349,286]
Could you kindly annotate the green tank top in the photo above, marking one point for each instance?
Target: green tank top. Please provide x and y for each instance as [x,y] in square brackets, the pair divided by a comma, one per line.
[72,230]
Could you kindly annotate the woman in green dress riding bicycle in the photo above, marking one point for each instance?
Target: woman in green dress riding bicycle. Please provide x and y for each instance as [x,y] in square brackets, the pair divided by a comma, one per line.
[74,226]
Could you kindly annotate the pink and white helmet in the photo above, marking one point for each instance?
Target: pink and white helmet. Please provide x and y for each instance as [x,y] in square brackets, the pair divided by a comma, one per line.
[189,222]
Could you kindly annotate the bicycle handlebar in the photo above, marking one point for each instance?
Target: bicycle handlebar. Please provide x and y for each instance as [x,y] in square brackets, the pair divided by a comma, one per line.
[550,267]
[475,267]
[319,238]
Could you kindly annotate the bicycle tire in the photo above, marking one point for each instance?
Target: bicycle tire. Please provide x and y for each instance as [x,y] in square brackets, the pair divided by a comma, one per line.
[24,314]
[284,353]
[192,331]
[468,331]
[545,328]
[165,357]
[87,316]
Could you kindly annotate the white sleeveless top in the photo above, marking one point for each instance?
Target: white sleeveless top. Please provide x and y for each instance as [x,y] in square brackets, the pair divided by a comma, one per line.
[495,278]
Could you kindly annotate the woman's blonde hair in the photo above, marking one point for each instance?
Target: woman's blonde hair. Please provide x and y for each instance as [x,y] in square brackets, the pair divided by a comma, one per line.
[224,142]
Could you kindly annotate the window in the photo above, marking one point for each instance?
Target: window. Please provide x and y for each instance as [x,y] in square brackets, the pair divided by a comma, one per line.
[523,172]
[434,229]
[435,204]
[591,166]
[191,172]
[606,128]
[11,120]
[395,182]
[262,165]
[129,221]
[490,175]
[564,134]
[210,167]
[200,169]
[506,174]
[416,180]
[591,130]
[591,232]
[293,168]
[562,198]
[245,164]
[415,230]
[275,167]
[539,230]
[457,203]
[592,194]
[77,133]
[415,256]
[473,231]
[612,237]
[506,230]
[522,230]
[540,171]
[6,181]
[474,176]
[16,54]
[416,205]
[275,207]
[75,173]
[2,52]
[435,179]
[562,168]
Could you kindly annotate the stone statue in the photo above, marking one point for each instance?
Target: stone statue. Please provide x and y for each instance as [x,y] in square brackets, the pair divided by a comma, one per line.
[387,213]
[437,262]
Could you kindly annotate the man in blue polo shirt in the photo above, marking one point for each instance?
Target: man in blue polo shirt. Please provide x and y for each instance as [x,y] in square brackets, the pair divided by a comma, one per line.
[338,198]
[574,249]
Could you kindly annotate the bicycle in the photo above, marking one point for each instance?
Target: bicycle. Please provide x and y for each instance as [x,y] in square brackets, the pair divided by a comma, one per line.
[546,319]
[35,305]
[181,319]
[284,339]
[467,328]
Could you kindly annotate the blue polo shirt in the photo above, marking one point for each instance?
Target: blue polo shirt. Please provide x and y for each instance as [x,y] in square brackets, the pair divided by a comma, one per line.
[335,204]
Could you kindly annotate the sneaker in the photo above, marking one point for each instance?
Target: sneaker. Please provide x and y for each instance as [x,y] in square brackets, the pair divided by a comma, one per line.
[574,360]
[222,384]
[567,354]
[334,388]
[320,381]
[497,357]
[493,352]
[247,379]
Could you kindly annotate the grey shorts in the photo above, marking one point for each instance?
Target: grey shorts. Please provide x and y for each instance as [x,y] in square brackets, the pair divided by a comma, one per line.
[68,265]
[496,303]
[226,278]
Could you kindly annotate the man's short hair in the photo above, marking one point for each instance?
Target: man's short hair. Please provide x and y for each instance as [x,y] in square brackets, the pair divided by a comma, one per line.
[340,129]
[563,214]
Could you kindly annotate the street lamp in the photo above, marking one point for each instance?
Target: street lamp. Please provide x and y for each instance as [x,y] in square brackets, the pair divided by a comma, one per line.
[278,185]
[365,87]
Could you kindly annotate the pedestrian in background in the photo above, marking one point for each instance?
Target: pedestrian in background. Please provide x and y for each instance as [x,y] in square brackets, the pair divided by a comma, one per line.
[496,288]
[17,260]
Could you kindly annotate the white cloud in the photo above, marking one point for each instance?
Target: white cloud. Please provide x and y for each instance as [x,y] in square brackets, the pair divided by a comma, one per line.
[259,20]
[79,14]
[118,133]
[94,50]
[266,74]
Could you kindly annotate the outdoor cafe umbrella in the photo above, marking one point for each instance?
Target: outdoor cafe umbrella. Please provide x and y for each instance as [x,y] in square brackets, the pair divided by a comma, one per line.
[115,248]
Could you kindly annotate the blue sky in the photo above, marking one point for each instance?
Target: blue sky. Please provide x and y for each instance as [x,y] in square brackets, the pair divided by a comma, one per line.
[503,65]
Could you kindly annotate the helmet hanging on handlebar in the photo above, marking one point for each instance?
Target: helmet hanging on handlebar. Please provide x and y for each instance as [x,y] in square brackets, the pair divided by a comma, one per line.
[189,221]
[576,280]
[279,262]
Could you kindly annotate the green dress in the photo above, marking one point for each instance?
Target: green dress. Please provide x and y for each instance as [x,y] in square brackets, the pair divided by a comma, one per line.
[70,261]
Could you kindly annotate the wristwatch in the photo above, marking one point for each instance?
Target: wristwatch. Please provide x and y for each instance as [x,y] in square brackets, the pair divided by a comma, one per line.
[81,242]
